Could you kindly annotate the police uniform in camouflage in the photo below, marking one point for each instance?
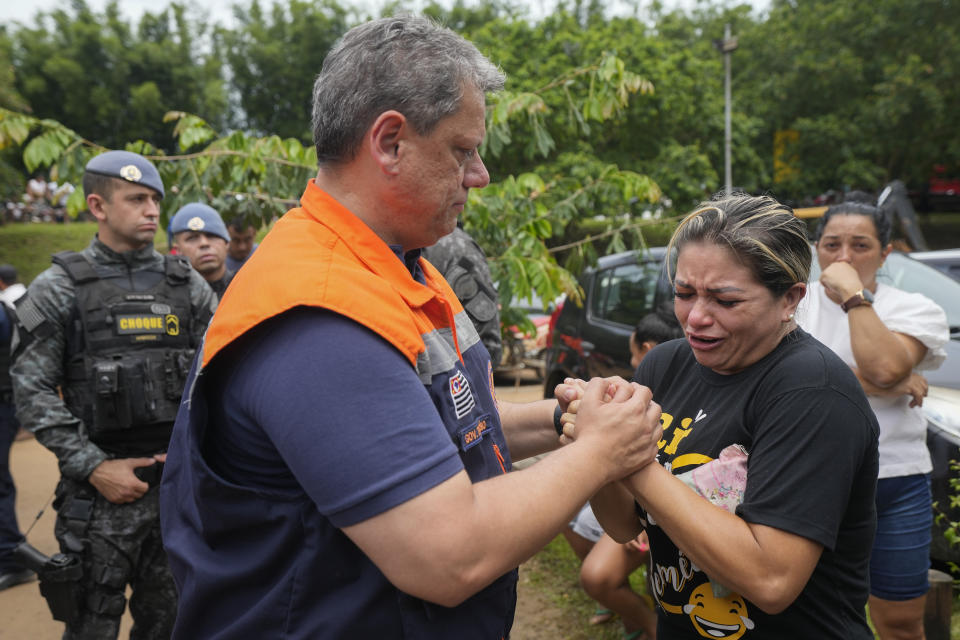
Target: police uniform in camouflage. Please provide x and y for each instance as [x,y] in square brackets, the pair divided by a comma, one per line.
[116,332]
[464,265]
[220,286]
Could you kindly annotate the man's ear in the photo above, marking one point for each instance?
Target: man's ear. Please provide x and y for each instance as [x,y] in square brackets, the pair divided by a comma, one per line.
[95,204]
[385,137]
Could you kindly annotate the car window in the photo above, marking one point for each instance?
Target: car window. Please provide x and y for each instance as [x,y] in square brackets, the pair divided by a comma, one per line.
[625,293]
[902,272]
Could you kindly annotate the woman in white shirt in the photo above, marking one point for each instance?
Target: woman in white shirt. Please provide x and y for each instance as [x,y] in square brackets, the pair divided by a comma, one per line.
[885,335]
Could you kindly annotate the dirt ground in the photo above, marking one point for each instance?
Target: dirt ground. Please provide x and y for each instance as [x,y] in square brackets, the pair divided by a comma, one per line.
[23,611]
[537,618]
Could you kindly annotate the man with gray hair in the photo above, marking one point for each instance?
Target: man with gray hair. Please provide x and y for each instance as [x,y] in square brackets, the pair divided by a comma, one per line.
[339,468]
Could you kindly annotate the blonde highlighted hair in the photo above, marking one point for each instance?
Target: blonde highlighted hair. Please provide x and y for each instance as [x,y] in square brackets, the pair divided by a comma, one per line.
[759,231]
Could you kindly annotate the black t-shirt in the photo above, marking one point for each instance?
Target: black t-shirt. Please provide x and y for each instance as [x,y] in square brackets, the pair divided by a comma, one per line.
[812,471]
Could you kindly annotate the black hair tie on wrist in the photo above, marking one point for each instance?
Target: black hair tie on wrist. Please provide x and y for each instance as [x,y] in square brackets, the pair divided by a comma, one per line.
[556,420]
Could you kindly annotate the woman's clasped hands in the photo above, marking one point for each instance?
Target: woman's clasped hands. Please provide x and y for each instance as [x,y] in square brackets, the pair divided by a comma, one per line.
[622,413]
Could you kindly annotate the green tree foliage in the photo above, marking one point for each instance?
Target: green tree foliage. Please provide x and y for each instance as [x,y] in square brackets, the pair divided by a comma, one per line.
[603,119]
[674,134]
[545,149]
[11,169]
[866,89]
[10,98]
[258,177]
[273,56]
[687,157]
[96,74]
[871,88]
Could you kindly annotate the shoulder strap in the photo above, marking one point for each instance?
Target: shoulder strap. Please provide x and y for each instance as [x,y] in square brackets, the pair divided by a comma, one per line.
[177,270]
[469,266]
[76,266]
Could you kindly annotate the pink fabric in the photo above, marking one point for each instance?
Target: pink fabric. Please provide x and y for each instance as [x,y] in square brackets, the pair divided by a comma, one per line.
[721,481]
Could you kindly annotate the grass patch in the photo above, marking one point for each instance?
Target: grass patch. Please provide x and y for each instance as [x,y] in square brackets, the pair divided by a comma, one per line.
[955,618]
[554,575]
[28,246]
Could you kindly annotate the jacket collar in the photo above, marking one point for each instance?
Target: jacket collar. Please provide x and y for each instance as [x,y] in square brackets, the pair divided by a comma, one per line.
[368,247]
[105,255]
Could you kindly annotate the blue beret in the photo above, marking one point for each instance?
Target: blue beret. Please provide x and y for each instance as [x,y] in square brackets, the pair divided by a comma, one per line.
[128,166]
[197,216]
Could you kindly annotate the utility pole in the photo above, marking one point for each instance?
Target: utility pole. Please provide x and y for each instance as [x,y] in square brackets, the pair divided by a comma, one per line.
[726,47]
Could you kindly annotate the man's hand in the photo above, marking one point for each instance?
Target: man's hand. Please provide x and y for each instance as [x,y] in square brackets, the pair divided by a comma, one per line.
[620,419]
[570,390]
[568,395]
[115,479]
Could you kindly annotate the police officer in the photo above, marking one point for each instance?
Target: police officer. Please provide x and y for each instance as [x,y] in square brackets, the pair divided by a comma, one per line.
[464,265]
[200,235]
[114,328]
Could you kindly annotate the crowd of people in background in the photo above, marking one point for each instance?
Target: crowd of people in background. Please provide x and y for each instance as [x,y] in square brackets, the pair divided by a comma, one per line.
[41,201]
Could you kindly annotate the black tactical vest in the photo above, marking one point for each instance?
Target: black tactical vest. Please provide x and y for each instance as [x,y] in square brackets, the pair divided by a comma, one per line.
[128,352]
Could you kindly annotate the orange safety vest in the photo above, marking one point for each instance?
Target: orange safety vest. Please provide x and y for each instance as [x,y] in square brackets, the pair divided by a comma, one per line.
[329,258]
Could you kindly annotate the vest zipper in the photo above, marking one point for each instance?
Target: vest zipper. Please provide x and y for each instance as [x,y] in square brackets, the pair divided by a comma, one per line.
[500,459]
